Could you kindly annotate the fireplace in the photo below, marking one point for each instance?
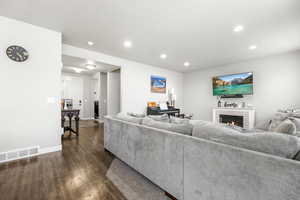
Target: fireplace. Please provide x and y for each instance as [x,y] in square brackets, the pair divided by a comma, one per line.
[232,119]
[244,118]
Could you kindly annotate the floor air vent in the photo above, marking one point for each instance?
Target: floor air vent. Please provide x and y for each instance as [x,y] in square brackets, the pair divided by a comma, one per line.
[33,151]
[2,157]
[18,154]
[12,155]
[23,153]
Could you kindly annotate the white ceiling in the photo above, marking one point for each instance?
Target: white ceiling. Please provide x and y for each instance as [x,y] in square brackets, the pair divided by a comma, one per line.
[198,31]
[69,63]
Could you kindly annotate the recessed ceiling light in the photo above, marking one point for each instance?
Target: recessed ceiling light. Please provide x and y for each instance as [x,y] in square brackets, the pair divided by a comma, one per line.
[90,62]
[186,64]
[77,70]
[90,43]
[90,66]
[238,28]
[163,56]
[127,44]
[252,47]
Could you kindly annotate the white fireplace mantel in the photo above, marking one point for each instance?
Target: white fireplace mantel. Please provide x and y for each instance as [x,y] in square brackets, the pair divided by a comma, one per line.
[247,114]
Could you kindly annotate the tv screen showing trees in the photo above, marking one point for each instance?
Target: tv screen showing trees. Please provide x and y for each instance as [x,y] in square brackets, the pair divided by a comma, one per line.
[241,84]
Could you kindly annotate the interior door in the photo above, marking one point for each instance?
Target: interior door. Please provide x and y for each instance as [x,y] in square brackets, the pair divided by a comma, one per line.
[73,89]
[103,95]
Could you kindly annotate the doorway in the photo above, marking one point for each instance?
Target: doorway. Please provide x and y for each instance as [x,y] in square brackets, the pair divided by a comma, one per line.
[92,87]
[72,92]
[113,92]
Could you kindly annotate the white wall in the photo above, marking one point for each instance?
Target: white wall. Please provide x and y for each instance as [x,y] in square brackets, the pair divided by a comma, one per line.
[30,91]
[136,89]
[135,79]
[276,85]
[113,92]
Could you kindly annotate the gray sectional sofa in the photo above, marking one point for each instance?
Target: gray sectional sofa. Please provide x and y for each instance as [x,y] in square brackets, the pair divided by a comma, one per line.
[205,165]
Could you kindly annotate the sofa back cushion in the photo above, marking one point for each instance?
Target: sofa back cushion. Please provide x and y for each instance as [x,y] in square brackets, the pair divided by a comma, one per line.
[282,145]
[138,115]
[128,118]
[296,114]
[160,118]
[176,120]
[296,121]
[179,128]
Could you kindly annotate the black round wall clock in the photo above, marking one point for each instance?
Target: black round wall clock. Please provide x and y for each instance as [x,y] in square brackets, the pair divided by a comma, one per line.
[17,53]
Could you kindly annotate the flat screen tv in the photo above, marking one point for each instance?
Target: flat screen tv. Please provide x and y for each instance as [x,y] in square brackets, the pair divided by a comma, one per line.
[233,84]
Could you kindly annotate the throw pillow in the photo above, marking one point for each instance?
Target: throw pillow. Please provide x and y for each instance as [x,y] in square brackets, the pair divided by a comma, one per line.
[176,120]
[161,118]
[287,126]
[277,119]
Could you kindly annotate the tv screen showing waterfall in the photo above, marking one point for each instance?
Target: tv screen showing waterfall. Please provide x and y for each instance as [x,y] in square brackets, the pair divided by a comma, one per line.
[241,84]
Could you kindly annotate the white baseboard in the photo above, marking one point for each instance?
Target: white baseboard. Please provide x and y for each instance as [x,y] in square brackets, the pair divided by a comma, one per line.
[100,121]
[83,119]
[50,149]
[87,118]
[41,151]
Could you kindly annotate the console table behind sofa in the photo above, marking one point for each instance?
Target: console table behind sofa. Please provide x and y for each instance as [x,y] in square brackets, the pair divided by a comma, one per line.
[158,111]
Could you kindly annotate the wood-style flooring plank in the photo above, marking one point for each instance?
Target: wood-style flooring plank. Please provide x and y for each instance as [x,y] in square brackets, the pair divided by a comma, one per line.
[78,172]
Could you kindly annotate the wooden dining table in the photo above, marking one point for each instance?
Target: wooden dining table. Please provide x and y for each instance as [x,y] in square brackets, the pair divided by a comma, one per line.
[70,114]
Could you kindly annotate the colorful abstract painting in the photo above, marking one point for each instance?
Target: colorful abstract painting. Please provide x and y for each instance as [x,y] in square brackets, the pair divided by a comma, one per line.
[158,84]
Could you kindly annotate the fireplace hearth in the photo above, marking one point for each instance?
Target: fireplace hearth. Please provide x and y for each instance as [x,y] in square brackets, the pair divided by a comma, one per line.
[232,120]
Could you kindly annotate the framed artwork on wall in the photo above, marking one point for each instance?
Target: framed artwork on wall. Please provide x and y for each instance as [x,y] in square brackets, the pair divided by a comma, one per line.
[158,84]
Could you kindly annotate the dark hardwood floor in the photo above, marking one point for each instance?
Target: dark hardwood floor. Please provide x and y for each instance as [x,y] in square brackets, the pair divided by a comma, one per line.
[78,172]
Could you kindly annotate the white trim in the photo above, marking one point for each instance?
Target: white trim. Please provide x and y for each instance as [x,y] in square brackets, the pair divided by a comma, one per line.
[87,118]
[82,118]
[41,151]
[50,149]
[99,121]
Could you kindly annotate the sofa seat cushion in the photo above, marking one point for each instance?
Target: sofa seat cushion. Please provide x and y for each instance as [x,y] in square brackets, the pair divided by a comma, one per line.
[178,128]
[282,145]
[128,118]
